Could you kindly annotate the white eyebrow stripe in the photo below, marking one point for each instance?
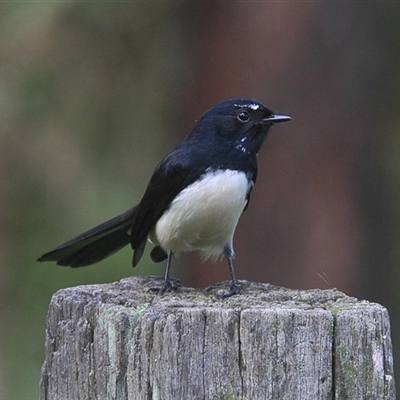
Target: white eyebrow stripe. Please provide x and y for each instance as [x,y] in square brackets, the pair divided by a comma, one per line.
[252,106]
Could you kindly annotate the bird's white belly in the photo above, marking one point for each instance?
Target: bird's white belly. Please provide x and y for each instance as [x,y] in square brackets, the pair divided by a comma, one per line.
[204,215]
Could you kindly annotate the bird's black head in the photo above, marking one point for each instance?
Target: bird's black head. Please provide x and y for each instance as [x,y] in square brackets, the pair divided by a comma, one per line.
[239,123]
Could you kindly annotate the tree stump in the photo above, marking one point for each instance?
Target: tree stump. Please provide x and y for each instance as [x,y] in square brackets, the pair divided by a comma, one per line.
[120,341]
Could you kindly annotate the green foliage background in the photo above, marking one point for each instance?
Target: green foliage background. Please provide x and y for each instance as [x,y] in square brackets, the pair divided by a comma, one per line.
[89,95]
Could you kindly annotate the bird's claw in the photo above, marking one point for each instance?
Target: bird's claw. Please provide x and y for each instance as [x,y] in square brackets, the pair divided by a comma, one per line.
[236,288]
[169,285]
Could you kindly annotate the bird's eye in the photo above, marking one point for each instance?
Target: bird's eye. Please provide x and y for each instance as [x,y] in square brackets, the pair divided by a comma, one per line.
[243,116]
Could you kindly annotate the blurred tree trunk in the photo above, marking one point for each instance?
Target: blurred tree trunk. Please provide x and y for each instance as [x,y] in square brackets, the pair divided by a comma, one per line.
[311,221]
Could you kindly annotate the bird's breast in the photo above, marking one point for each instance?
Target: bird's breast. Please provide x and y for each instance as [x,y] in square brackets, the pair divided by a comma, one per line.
[204,215]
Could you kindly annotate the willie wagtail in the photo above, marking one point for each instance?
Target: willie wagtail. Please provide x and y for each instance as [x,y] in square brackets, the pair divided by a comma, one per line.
[194,198]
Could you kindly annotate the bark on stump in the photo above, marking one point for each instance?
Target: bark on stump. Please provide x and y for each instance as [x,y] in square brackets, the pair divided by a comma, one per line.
[119,341]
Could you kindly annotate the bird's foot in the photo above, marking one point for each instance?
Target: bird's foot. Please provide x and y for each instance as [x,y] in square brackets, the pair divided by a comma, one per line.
[169,285]
[236,288]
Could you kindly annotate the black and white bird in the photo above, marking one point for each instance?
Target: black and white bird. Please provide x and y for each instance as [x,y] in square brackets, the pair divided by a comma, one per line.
[194,198]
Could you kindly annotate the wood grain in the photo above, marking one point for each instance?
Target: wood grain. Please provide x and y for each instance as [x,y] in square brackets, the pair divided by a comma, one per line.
[118,341]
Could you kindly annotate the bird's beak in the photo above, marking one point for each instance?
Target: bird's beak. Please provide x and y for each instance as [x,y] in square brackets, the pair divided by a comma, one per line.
[274,118]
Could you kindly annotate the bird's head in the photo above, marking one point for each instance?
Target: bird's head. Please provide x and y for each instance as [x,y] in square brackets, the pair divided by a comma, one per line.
[239,122]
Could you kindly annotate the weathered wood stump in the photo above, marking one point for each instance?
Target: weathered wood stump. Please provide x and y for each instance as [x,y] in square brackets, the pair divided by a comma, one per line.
[119,341]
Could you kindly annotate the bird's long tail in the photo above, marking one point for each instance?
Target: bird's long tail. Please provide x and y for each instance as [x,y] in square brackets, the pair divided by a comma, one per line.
[95,244]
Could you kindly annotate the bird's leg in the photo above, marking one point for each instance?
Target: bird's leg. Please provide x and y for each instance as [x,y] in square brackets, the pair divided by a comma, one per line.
[169,284]
[235,288]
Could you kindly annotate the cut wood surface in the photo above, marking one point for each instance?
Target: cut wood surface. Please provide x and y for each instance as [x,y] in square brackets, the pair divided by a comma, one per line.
[120,341]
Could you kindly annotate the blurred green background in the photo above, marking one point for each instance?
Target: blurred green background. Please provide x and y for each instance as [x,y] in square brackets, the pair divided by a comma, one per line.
[93,94]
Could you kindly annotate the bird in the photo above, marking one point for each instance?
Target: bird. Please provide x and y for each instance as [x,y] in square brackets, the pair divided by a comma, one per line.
[194,198]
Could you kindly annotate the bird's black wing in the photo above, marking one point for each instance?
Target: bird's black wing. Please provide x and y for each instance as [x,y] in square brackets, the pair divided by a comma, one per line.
[170,177]
[252,176]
